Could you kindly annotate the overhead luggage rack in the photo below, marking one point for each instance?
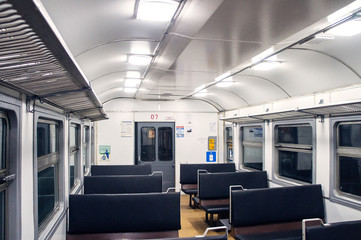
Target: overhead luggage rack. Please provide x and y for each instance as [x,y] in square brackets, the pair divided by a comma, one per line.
[34,62]
[319,111]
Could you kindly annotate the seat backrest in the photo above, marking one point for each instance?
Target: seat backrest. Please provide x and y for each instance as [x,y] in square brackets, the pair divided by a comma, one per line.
[122,184]
[105,213]
[276,205]
[97,170]
[188,172]
[350,230]
[216,185]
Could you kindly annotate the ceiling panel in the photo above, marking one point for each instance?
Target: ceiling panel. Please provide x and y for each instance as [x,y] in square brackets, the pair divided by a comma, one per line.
[207,39]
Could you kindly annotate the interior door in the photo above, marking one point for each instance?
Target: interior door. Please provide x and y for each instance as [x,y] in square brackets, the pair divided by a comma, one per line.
[155,146]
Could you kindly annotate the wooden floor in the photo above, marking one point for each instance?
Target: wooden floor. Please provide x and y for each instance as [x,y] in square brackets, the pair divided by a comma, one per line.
[193,220]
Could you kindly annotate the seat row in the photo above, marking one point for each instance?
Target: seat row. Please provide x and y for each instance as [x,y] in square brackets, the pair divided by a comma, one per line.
[116,206]
[257,212]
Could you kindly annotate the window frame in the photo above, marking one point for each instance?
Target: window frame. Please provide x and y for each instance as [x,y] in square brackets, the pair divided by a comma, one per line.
[241,148]
[77,151]
[49,226]
[4,172]
[287,181]
[11,107]
[336,195]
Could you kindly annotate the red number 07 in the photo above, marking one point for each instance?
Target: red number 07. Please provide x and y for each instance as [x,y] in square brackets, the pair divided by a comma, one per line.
[154,116]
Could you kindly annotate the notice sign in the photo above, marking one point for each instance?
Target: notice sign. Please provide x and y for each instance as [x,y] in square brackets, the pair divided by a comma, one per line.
[211,156]
[104,151]
[212,143]
[126,128]
[179,131]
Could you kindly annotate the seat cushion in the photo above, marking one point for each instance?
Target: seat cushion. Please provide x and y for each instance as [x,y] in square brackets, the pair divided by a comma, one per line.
[216,208]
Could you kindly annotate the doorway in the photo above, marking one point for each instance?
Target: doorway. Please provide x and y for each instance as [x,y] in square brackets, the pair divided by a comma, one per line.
[155,146]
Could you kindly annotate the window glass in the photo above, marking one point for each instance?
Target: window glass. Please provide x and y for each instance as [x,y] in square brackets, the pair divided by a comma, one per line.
[229,144]
[165,144]
[2,215]
[86,159]
[252,134]
[252,147]
[294,152]
[74,135]
[350,135]
[3,134]
[48,140]
[72,169]
[252,157]
[48,176]
[46,193]
[295,135]
[148,144]
[350,175]
[295,165]
[74,155]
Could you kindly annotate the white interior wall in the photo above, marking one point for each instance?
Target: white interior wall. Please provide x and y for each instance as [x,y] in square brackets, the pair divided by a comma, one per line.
[334,211]
[197,116]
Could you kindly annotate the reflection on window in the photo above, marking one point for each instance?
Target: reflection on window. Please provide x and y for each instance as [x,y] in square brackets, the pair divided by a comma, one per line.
[294,146]
[148,144]
[295,165]
[252,147]
[46,193]
[165,144]
[349,158]
[2,215]
[48,164]
[47,141]
[74,162]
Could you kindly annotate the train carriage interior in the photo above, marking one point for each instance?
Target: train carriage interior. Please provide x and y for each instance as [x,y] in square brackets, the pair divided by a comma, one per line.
[269,86]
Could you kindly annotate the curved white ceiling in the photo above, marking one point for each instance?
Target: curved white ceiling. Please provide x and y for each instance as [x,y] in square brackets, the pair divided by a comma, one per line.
[207,39]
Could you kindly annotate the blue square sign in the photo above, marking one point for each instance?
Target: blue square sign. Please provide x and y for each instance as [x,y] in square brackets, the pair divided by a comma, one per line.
[211,156]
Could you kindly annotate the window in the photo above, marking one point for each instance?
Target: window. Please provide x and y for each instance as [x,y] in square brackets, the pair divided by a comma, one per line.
[3,171]
[86,145]
[229,144]
[74,155]
[294,145]
[252,147]
[348,158]
[148,144]
[48,157]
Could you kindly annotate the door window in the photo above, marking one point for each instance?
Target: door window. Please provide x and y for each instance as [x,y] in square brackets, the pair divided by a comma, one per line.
[165,144]
[148,144]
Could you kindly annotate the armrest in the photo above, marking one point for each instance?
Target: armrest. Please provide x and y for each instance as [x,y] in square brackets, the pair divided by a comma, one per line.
[308,223]
[213,229]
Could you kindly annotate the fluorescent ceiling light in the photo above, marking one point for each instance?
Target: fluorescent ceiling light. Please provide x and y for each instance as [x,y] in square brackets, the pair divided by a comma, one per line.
[132,82]
[133,74]
[264,66]
[130,90]
[201,94]
[139,59]
[263,55]
[156,10]
[347,29]
[223,76]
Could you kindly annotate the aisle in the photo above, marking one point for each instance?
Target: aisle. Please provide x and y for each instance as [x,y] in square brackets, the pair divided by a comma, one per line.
[193,220]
